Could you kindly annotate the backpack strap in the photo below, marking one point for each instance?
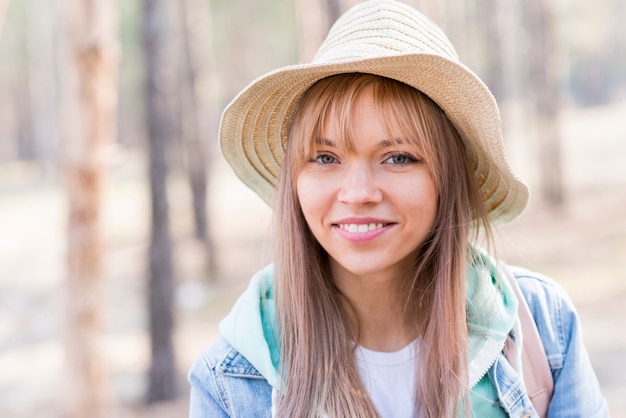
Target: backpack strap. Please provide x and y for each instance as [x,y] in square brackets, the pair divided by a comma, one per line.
[536,372]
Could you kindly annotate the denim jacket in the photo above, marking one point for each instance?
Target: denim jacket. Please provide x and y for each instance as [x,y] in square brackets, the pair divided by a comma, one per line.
[237,376]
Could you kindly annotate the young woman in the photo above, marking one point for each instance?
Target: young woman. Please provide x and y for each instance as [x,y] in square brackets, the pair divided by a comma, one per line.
[384,163]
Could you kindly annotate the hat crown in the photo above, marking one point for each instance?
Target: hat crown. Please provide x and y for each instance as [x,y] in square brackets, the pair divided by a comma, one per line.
[389,39]
[377,28]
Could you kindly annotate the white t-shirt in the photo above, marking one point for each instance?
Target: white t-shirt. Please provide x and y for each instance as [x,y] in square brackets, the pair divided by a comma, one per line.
[389,378]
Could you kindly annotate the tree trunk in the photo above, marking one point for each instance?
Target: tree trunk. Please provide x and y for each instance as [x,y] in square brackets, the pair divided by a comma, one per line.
[40,47]
[456,23]
[434,9]
[198,106]
[4,5]
[543,86]
[90,85]
[162,374]
[334,9]
[618,46]
[313,20]
[494,60]
[312,24]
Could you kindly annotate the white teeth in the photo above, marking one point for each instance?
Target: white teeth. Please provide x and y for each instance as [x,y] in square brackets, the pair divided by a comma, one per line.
[354,228]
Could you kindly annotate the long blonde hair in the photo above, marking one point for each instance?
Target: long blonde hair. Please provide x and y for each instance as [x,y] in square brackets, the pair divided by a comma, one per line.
[318,366]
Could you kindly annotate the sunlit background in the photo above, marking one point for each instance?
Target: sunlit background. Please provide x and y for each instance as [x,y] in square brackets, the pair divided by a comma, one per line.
[558,71]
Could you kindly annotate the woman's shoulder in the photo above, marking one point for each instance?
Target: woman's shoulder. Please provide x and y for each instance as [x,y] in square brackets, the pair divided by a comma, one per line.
[553,311]
[215,353]
[541,291]
[224,383]
[576,388]
[223,358]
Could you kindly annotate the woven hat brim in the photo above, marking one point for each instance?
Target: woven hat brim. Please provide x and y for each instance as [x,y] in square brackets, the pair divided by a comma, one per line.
[255,125]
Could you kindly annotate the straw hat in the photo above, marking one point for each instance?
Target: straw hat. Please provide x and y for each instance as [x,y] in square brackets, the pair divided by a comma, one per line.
[393,40]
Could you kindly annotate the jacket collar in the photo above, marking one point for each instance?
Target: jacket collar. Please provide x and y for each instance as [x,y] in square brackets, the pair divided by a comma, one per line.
[251,328]
[491,309]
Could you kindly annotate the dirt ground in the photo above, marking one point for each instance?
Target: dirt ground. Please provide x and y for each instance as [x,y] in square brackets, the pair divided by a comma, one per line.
[582,245]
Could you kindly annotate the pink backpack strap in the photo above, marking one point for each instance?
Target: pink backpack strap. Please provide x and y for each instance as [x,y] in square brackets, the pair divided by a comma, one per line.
[535,367]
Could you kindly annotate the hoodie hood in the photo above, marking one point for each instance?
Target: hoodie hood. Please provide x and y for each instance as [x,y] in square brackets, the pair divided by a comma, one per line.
[491,309]
[251,328]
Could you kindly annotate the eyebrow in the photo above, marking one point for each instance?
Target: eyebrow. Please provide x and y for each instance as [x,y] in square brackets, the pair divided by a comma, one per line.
[325,141]
[385,143]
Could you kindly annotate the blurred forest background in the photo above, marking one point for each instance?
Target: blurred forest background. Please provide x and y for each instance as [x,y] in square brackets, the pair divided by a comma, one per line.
[124,238]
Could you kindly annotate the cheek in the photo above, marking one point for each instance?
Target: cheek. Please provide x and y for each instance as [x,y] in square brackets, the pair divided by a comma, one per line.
[419,196]
[305,190]
[431,199]
[314,197]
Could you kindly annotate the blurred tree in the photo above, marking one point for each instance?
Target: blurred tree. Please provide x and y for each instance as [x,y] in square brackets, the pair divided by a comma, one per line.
[313,20]
[543,89]
[618,47]
[494,72]
[19,130]
[89,71]
[434,9]
[197,108]
[159,122]
[41,81]
[457,25]
[4,5]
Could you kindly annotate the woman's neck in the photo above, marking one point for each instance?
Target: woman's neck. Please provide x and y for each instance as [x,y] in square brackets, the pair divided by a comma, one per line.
[376,312]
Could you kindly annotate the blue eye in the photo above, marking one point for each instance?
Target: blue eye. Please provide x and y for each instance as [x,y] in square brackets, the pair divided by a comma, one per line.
[326,159]
[401,159]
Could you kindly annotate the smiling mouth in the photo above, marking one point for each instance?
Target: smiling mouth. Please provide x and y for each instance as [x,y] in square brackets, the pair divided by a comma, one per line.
[359,228]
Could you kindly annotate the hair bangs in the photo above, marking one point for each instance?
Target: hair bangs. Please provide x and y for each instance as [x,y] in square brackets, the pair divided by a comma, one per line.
[309,310]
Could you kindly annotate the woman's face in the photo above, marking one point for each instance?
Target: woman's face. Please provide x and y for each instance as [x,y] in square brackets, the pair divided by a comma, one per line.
[370,205]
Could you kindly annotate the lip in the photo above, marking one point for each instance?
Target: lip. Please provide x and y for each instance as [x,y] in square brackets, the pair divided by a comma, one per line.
[346,228]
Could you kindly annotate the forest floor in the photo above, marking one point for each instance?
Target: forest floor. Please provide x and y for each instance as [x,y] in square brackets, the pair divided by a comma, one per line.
[582,245]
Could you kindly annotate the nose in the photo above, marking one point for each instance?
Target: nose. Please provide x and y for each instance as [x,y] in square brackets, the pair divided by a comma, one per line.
[359,185]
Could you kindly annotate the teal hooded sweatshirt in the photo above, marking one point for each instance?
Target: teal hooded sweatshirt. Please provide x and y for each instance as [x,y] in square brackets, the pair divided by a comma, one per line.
[251,329]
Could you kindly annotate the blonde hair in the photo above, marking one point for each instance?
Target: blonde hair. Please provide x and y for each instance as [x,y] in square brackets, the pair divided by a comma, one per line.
[318,366]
